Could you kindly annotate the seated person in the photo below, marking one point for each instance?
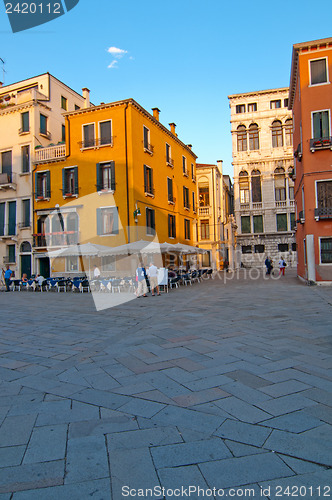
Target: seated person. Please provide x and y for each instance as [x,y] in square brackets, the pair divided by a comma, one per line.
[39,279]
[24,278]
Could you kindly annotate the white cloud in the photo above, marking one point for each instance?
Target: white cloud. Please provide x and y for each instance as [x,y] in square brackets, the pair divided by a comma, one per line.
[113,64]
[116,52]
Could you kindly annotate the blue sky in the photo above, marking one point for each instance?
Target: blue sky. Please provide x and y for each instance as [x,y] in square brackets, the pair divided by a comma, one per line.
[182,56]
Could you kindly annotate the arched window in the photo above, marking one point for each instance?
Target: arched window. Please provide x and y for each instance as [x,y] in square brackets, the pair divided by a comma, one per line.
[289,132]
[256,189]
[72,228]
[244,187]
[277,138]
[253,137]
[25,247]
[280,184]
[241,138]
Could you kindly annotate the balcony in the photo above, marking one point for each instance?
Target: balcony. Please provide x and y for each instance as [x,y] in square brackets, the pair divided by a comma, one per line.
[298,153]
[171,199]
[96,143]
[42,240]
[7,181]
[323,213]
[281,204]
[301,219]
[185,172]
[320,143]
[204,211]
[257,205]
[50,154]
[170,162]
[149,191]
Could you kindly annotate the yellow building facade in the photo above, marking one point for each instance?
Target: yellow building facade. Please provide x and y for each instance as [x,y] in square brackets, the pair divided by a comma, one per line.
[122,177]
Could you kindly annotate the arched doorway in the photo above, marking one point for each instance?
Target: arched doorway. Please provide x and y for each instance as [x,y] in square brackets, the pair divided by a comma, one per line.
[25,258]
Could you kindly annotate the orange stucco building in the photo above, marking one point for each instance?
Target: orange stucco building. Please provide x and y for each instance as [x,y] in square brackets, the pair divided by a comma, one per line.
[310,98]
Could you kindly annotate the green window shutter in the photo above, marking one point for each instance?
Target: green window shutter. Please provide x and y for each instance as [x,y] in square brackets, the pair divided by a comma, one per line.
[64,187]
[48,184]
[76,179]
[317,126]
[113,175]
[99,222]
[98,176]
[325,125]
[36,185]
[12,218]
[2,219]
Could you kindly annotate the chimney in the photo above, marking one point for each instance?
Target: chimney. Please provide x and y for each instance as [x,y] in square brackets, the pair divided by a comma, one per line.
[172,127]
[190,146]
[1,84]
[156,112]
[219,163]
[86,97]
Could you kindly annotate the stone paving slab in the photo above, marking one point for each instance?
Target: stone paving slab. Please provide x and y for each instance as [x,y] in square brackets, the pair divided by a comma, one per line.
[211,385]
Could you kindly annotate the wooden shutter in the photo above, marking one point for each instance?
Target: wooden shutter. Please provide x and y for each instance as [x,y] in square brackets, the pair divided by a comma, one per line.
[324,194]
[99,222]
[48,184]
[2,219]
[115,229]
[98,177]
[113,175]
[75,180]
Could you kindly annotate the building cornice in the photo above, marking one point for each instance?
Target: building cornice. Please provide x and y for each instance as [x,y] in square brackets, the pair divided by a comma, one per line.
[298,48]
[25,105]
[139,108]
[258,92]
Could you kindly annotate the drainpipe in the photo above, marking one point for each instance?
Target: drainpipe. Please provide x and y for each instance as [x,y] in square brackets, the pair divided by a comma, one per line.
[127,174]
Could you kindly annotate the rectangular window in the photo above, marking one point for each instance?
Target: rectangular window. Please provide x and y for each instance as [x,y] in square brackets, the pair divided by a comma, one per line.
[292,220]
[291,192]
[150,222]
[25,122]
[324,194]
[326,250]
[72,264]
[2,219]
[193,177]
[170,190]
[275,104]
[70,181]
[205,229]
[63,133]
[283,247]
[43,185]
[194,200]
[88,135]
[259,248]
[12,218]
[169,160]
[25,213]
[146,138]
[294,248]
[245,224]
[258,223]
[6,163]
[107,221]
[43,124]
[186,197]
[77,107]
[105,132]
[240,108]
[246,249]
[64,103]
[187,229]
[252,107]
[204,198]
[318,71]
[148,180]
[11,249]
[281,222]
[171,226]
[25,152]
[184,165]
[286,103]
[321,125]
[108,263]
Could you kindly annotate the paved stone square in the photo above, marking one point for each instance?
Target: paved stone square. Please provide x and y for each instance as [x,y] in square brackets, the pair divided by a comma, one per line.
[223,384]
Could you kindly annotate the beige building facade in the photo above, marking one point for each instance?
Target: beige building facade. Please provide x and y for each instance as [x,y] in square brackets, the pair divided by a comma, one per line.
[215,223]
[31,125]
[262,138]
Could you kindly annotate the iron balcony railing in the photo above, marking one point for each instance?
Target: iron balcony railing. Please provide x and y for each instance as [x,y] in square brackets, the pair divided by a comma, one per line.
[320,143]
[323,213]
[96,143]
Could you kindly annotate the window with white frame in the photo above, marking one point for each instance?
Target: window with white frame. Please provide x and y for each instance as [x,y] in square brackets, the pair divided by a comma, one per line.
[318,71]
[107,221]
[105,132]
[184,165]
[241,134]
[106,176]
[324,194]
[326,250]
[88,135]
[71,264]
[321,124]
[244,187]
[275,104]
[280,184]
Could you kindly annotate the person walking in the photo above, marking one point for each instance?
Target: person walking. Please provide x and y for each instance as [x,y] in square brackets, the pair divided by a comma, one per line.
[141,282]
[153,278]
[8,273]
[269,266]
[282,265]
